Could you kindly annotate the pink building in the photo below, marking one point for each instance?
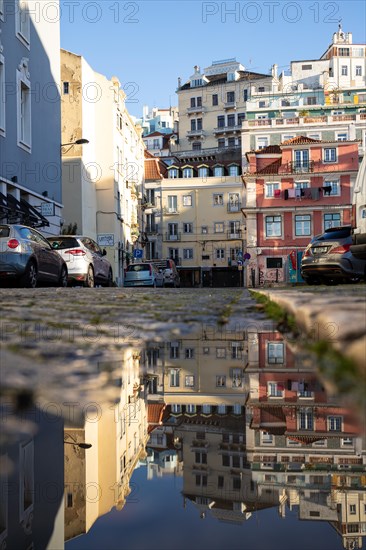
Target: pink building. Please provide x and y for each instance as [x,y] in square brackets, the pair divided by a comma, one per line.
[294,191]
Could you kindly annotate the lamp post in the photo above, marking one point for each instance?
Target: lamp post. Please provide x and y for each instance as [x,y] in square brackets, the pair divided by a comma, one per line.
[80,141]
[75,443]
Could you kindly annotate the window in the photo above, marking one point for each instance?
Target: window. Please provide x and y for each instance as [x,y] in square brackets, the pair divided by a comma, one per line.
[220,353]
[188,228]
[352,509]
[218,227]
[330,154]
[358,70]
[275,352]
[191,409]
[172,203]
[311,100]
[199,123]
[306,67]
[24,108]
[22,22]
[221,121]
[187,253]
[156,143]
[347,442]
[274,389]
[199,101]
[241,118]
[301,159]
[231,142]
[173,233]
[69,500]
[262,104]
[237,377]
[220,253]
[332,220]
[201,480]
[193,101]
[66,88]
[221,143]
[233,170]
[234,229]
[204,230]
[266,438]
[261,89]
[215,99]
[344,70]
[335,423]
[301,185]
[262,142]
[218,171]
[187,200]
[193,125]
[236,483]
[274,263]
[342,136]
[343,52]
[220,482]
[220,381]
[200,458]
[306,420]
[218,199]
[335,187]
[196,146]
[269,190]
[230,97]
[303,225]
[273,226]
[172,173]
[174,376]
[176,409]
[231,121]
[221,409]
[2,95]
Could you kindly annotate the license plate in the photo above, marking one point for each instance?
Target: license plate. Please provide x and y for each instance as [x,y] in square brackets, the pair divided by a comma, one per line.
[320,249]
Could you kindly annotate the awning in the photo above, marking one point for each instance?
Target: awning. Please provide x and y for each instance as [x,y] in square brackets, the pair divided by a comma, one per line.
[14,211]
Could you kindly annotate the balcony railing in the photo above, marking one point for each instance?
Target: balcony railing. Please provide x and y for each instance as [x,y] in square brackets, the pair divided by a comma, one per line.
[298,167]
[322,119]
[170,211]
[153,228]
[234,234]
[193,133]
[197,109]
[224,129]
[171,237]
[230,105]
[234,207]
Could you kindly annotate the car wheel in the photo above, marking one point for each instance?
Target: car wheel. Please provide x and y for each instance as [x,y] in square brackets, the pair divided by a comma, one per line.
[312,281]
[30,277]
[63,277]
[89,281]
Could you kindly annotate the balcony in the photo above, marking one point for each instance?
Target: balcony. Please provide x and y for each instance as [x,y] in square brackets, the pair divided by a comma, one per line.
[171,237]
[170,211]
[227,129]
[195,133]
[298,167]
[230,105]
[197,109]
[151,229]
[234,235]
[318,120]
[234,207]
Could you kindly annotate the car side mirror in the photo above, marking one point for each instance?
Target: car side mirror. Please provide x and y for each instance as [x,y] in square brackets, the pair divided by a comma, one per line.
[104,252]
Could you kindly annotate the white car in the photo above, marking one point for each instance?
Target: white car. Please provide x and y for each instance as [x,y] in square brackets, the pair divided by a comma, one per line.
[86,262]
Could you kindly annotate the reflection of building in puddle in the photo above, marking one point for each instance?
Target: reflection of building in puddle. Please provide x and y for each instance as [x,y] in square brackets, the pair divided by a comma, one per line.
[31,478]
[301,441]
[97,479]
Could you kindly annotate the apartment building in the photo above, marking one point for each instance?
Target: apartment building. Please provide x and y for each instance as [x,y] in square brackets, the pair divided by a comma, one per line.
[30,125]
[102,180]
[294,191]
[212,105]
[322,99]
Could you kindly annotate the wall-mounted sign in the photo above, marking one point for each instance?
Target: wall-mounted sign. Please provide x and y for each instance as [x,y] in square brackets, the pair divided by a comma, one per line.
[47,208]
[106,239]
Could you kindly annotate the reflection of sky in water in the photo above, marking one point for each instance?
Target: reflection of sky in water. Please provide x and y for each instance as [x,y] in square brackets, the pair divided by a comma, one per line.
[159,522]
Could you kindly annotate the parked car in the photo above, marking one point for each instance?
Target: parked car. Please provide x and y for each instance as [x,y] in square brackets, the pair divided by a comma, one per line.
[86,262]
[28,258]
[328,258]
[358,247]
[143,274]
[171,275]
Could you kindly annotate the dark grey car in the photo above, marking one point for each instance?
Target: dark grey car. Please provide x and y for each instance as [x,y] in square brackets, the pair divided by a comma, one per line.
[328,259]
[27,257]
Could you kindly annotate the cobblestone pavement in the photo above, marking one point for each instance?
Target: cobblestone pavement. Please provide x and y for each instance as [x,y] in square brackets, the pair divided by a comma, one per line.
[332,314]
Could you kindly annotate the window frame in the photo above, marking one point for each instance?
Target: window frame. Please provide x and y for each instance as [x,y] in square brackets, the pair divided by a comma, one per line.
[272,221]
[328,152]
[301,223]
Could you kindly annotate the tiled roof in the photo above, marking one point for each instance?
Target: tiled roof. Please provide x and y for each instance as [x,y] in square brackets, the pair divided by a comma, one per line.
[306,439]
[222,79]
[155,412]
[153,134]
[270,168]
[154,169]
[273,414]
[299,140]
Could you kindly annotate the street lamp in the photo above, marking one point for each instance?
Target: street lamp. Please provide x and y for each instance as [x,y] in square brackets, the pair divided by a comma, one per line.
[81,141]
[75,443]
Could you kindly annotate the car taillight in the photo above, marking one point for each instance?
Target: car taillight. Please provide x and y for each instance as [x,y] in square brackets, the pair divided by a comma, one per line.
[340,249]
[76,252]
[13,243]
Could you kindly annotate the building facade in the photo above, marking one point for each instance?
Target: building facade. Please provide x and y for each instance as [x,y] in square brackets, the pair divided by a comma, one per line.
[30,122]
[102,180]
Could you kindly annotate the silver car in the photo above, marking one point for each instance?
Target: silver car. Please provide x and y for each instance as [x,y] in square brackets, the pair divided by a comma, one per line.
[86,262]
[143,274]
[328,259]
[28,258]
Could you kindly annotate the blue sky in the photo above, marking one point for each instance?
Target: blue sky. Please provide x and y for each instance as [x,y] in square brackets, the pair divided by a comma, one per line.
[149,44]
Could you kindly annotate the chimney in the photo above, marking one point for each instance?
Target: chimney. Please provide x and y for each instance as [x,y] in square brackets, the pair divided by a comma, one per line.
[274,71]
[196,69]
[179,81]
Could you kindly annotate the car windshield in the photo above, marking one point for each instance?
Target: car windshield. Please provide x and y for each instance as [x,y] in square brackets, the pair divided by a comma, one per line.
[60,243]
[139,267]
[335,234]
[4,231]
